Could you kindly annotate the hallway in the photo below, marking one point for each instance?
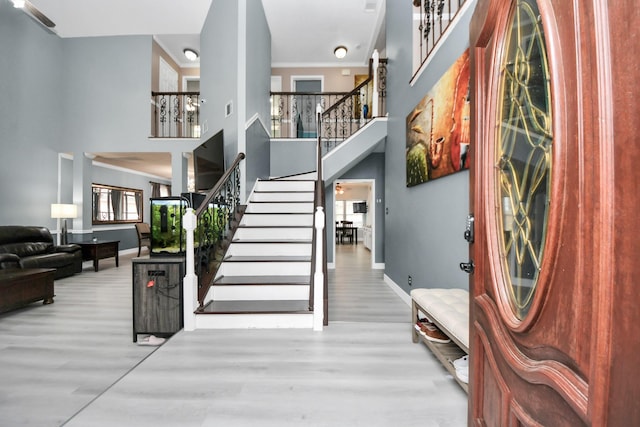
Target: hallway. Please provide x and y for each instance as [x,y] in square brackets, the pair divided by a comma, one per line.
[72,363]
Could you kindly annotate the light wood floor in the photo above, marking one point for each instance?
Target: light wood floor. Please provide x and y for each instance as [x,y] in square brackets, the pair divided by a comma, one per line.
[73,363]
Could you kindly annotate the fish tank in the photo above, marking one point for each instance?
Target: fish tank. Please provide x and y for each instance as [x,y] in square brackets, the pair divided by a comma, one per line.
[168,236]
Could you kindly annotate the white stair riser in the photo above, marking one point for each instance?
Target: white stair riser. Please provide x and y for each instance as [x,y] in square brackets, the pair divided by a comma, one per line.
[302,233]
[254,220]
[260,292]
[284,185]
[306,207]
[254,321]
[273,249]
[265,269]
[282,197]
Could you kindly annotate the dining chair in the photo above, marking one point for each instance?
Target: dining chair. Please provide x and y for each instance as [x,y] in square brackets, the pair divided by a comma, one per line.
[144,236]
[347,231]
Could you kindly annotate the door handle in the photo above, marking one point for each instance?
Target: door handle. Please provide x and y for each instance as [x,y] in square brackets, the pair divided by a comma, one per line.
[467,267]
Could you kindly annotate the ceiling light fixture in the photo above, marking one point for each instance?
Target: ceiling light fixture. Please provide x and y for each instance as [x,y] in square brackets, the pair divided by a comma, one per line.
[190,54]
[18,4]
[340,52]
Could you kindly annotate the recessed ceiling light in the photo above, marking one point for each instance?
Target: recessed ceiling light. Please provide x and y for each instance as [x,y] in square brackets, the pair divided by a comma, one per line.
[340,52]
[190,54]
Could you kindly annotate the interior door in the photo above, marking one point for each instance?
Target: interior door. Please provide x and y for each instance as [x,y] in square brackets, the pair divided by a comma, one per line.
[304,106]
[554,338]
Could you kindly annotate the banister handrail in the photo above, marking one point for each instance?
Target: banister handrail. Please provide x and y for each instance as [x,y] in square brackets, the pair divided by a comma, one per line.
[351,112]
[216,188]
[355,91]
[318,296]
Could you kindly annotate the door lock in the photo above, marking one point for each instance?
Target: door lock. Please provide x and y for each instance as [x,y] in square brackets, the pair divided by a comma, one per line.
[467,267]
[468,230]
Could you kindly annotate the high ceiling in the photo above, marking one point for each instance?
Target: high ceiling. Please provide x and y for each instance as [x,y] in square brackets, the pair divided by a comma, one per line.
[304,33]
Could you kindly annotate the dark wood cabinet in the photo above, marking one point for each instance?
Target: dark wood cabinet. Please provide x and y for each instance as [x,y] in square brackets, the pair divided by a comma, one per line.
[157,296]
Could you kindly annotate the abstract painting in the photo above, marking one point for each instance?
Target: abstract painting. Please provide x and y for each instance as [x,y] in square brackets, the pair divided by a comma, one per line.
[438,132]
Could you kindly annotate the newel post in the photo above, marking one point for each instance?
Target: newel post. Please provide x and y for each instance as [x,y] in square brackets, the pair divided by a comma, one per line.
[190,282]
[318,277]
[375,101]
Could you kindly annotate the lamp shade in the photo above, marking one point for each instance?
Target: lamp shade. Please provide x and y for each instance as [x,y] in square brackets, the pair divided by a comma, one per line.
[60,210]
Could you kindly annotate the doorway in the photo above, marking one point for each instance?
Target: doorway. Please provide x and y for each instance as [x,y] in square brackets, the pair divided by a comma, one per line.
[303,106]
[354,202]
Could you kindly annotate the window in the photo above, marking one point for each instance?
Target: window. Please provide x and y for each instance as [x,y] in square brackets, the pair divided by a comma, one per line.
[344,212]
[116,205]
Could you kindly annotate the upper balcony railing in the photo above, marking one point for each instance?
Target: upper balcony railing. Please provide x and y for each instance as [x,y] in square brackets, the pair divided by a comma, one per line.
[431,19]
[175,114]
[293,114]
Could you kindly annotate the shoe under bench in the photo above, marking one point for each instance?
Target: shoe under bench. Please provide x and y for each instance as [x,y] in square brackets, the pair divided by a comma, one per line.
[448,309]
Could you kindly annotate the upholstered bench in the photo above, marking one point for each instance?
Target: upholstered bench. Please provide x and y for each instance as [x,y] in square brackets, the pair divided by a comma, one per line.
[448,309]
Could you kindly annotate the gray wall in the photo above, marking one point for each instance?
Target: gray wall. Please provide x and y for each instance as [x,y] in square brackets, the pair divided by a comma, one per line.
[424,224]
[219,74]
[258,155]
[258,81]
[66,95]
[31,96]
[293,156]
[258,68]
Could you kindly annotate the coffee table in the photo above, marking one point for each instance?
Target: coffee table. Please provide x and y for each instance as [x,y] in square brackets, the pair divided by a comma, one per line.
[99,249]
[20,287]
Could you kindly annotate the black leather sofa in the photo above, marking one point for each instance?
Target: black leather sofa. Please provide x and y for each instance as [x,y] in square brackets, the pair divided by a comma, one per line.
[35,248]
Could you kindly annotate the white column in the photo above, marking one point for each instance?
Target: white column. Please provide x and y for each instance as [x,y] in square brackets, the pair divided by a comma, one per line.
[318,277]
[375,107]
[190,282]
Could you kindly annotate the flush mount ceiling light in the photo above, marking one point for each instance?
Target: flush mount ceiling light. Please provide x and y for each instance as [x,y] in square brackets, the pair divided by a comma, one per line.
[190,54]
[340,52]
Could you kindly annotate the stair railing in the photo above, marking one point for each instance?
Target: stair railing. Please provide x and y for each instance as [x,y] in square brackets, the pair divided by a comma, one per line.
[209,229]
[357,108]
[318,293]
[175,114]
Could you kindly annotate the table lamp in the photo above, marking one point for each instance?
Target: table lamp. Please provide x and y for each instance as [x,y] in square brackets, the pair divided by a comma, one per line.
[64,211]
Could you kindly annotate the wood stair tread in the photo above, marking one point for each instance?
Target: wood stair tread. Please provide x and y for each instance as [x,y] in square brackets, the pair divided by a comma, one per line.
[274,226]
[283,191]
[267,258]
[274,241]
[280,201]
[257,307]
[262,280]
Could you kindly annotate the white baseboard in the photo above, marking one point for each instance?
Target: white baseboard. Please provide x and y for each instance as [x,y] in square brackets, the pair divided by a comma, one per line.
[398,290]
[378,266]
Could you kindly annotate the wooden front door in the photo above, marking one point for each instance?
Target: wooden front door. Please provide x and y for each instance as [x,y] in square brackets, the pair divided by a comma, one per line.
[555,179]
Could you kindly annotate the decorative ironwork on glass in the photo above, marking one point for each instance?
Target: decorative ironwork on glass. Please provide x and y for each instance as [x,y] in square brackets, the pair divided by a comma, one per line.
[523,154]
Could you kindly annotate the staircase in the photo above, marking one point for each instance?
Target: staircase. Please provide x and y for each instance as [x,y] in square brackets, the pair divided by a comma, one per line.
[264,280]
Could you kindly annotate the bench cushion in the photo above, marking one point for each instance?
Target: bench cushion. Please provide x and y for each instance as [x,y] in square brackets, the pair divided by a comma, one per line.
[447,307]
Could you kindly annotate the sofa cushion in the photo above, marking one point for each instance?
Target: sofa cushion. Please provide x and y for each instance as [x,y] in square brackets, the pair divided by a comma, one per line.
[27,249]
[53,260]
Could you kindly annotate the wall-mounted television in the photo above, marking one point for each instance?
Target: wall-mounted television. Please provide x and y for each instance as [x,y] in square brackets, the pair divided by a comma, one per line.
[360,207]
[208,162]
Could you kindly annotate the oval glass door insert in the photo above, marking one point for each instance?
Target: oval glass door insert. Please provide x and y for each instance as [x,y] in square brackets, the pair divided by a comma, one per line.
[523,154]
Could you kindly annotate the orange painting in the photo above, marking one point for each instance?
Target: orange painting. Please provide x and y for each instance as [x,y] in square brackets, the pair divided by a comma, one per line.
[438,127]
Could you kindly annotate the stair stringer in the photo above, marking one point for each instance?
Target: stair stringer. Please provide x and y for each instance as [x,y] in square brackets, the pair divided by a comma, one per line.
[353,150]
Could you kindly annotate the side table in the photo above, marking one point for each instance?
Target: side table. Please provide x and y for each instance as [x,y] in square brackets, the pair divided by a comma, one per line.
[99,249]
